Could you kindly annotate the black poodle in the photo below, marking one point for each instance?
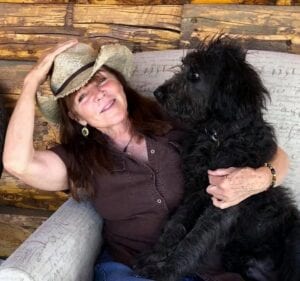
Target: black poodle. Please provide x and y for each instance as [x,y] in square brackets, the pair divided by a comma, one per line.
[222,98]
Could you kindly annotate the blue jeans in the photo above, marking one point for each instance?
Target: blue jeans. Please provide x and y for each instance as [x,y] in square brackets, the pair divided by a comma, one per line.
[108,270]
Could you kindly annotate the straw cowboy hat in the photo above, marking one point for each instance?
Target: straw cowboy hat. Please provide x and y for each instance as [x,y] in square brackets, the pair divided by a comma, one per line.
[74,68]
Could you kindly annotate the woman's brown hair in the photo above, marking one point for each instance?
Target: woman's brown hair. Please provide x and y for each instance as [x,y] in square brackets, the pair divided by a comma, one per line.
[94,153]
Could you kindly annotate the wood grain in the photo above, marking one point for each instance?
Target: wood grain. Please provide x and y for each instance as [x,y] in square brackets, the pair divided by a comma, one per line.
[260,27]
[16,225]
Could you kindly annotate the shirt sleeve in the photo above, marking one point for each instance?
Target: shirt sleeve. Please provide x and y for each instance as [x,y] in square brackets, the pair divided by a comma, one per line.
[61,152]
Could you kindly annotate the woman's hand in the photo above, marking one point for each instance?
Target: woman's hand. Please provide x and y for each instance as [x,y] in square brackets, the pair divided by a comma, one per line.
[39,72]
[230,186]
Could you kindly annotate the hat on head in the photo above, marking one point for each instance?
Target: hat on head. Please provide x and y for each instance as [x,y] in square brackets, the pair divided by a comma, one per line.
[73,69]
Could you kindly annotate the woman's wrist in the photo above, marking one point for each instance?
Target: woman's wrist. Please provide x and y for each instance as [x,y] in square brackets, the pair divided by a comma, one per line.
[31,81]
[273,174]
[265,176]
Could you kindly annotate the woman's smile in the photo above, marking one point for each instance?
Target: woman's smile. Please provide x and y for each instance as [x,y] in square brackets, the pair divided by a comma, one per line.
[108,105]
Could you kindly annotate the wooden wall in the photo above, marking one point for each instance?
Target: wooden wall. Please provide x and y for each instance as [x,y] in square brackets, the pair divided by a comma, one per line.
[29,27]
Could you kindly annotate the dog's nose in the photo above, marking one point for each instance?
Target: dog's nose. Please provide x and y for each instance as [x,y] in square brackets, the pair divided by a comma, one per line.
[158,93]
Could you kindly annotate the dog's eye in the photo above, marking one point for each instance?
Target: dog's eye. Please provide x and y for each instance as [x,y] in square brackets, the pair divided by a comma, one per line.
[194,76]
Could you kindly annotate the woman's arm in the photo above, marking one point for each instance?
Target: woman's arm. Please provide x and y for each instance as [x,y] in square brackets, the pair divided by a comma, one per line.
[40,169]
[229,187]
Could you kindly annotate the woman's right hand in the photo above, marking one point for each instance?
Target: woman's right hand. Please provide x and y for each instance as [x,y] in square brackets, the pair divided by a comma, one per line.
[39,72]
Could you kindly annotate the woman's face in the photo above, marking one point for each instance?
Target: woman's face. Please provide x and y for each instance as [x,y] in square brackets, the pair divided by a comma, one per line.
[101,103]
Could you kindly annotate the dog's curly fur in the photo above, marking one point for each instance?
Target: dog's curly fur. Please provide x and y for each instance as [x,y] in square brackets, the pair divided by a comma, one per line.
[222,98]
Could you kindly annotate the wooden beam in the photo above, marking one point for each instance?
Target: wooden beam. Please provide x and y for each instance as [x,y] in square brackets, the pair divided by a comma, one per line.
[13,192]
[103,2]
[141,27]
[23,36]
[260,27]
[246,2]
[16,225]
[20,15]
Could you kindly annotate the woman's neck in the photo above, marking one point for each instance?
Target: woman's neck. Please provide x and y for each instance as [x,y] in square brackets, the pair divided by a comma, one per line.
[121,134]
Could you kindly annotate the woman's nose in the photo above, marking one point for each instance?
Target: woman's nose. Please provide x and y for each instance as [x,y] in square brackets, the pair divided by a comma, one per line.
[99,96]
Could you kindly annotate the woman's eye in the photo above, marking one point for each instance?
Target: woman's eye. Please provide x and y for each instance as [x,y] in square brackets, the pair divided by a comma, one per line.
[101,80]
[81,97]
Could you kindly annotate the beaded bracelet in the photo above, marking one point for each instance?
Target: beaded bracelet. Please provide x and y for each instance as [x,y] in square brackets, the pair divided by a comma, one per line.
[273,172]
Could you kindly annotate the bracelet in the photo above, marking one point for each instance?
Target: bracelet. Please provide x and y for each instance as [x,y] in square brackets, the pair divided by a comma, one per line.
[273,172]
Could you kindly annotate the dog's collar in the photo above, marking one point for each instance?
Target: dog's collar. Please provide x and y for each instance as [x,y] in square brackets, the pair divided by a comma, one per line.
[221,135]
[213,135]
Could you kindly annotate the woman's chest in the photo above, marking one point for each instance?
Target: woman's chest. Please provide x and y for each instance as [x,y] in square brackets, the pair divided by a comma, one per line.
[134,187]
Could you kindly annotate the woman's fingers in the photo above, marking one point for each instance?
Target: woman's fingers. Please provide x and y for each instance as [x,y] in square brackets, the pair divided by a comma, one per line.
[223,204]
[221,172]
[216,192]
[61,47]
[41,69]
[232,188]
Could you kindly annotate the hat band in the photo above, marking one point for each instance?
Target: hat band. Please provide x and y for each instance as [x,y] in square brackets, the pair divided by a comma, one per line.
[64,85]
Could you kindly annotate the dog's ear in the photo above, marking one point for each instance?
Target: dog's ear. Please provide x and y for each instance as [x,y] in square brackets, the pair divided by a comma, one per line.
[239,90]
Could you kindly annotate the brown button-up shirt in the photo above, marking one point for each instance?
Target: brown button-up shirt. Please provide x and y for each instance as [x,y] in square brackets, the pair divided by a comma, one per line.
[136,198]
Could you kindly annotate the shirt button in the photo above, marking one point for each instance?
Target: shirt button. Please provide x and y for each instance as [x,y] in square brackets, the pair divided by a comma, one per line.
[152,151]
[158,201]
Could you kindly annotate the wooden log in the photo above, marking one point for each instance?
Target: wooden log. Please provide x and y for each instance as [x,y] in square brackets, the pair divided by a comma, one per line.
[259,27]
[104,2]
[164,16]
[39,1]
[246,2]
[139,2]
[32,15]
[158,2]
[16,225]
[13,192]
[26,30]
[141,28]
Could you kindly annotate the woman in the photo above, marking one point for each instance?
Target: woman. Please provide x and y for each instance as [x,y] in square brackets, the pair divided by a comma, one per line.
[117,148]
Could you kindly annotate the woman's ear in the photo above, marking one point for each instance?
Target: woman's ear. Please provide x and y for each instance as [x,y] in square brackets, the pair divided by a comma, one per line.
[76,118]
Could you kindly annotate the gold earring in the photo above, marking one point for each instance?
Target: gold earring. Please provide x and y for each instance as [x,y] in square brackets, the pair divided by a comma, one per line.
[85,131]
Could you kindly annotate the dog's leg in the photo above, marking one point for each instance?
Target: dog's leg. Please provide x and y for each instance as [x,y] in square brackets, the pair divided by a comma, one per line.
[175,230]
[290,270]
[212,227]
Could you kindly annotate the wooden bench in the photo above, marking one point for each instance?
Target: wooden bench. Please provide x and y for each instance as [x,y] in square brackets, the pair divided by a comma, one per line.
[65,247]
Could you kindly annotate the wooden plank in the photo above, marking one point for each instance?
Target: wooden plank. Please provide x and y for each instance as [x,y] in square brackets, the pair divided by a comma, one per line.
[158,2]
[104,2]
[37,1]
[246,2]
[16,225]
[164,16]
[13,192]
[26,30]
[28,43]
[32,15]
[139,2]
[15,72]
[141,28]
[269,28]
[136,38]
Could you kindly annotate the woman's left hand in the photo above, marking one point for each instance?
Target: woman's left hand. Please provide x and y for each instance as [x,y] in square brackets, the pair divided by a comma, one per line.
[230,186]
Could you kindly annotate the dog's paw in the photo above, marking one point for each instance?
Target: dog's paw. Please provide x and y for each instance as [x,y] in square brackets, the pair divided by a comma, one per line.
[150,258]
[150,272]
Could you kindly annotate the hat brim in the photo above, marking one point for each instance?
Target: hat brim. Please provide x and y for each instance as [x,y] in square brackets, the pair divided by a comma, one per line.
[117,57]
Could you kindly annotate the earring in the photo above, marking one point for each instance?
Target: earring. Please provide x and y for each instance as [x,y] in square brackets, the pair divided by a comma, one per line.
[85,131]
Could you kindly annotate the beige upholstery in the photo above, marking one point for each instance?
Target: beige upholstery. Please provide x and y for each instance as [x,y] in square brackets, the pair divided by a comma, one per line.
[63,248]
